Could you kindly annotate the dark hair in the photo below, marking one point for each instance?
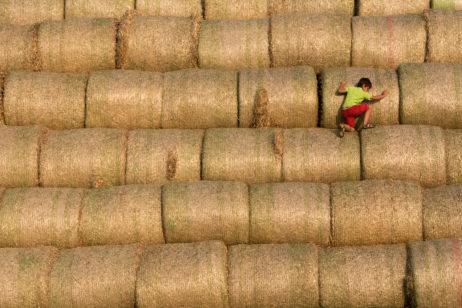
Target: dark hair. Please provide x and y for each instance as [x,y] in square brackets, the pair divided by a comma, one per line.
[366,82]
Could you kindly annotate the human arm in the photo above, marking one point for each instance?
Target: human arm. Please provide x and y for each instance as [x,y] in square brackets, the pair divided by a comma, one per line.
[377,97]
[342,89]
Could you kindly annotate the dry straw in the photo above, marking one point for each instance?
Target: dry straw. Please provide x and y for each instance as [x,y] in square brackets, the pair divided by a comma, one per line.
[290,213]
[29,12]
[292,99]
[157,43]
[384,111]
[149,151]
[234,44]
[376,212]
[241,154]
[197,98]
[183,275]
[453,140]
[122,215]
[311,7]
[180,8]
[317,40]
[447,4]
[404,152]
[368,276]
[83,157]
[260,113]
[435,273]
[444,35]
[100,276]
[78,45]
[19,151]
[24,276]
[124,99]
[231,9]
[31,217]
[281,275]
[18,48]
[2,89]
[319,155]
[391,7]
[431,93]
[53,100]
[100,8]
[202,211]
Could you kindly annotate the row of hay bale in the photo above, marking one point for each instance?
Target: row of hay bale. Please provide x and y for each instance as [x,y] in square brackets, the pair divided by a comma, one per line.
[208,274]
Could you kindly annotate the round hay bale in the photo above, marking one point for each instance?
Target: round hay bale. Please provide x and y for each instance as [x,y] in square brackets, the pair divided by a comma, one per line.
[162,155]
[446,4]
[290,213]
[234,44]
[319,41]
[444,33]
[280,275]
[99,8]
[404,152]
[202,211]
[384,112]
[319,155]
[231,9]
[311,7]
[375,212]
[24,276]
[179,8]
[197,98]
[183,275]
[53,100]
[435,273]
[82,157]
[77,45]
[292,96]
[388,41]
[157,43]
[30,12]
[453,140]
[391,7]
[367,276]
[19,152]
[31,217]
[18,48]
[124,99]
[122,215]
[100,276]
[241,154]
[431,94]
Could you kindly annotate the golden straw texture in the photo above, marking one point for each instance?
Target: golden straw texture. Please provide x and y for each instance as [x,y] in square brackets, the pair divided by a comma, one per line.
[234,44]
[447,4]
[124,99]
[97,8]
[232,9]
[183,275]
[290,213]
[384,111]
[391,7]
[311,6]
[149,151]
[404,152]
[368,276]
[201,211]
[2,83]
[18,48]
[197,98]
[21,12]
[292,96]
[453,138]
[122,215]
[83,157]
[317,40]
[180,8]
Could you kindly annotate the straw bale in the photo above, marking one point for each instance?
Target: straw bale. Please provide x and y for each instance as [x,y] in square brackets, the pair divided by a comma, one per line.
[2,82]
[124,99]
[404,152]
[97,8]
[319,155]
[388,41]
[260,113]
[290,213]
[20,12]
[292,96]
[19,151]
[384,112]
[234,44]
[18,48]
[241,154]
[391,7]
[317,40]
[180,8]
[148,155]
[453,138]
[157,43]
[24,276]
[232,9]
[447,4]
[80,157]
[122,215]
[311,7]
[183,275]
[202,211]
[273,275]
[77,45]
[53,100]
[435,273]
[444,35]
[197,98]
[99,276]
[367,276]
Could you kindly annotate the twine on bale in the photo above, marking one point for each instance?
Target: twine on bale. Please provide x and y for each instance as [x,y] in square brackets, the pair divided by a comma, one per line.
[311,7]
[391,7]
[230,9]
[97,9]
[19,48]
[180,8]
[30,12]
[453,143]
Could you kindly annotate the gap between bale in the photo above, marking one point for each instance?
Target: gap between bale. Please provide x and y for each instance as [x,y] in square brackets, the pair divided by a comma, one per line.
[2,89]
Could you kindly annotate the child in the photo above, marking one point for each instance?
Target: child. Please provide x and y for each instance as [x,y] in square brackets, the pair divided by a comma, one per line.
[353,106]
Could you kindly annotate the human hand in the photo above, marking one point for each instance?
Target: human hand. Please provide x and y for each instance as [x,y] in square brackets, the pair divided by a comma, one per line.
[343,83]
